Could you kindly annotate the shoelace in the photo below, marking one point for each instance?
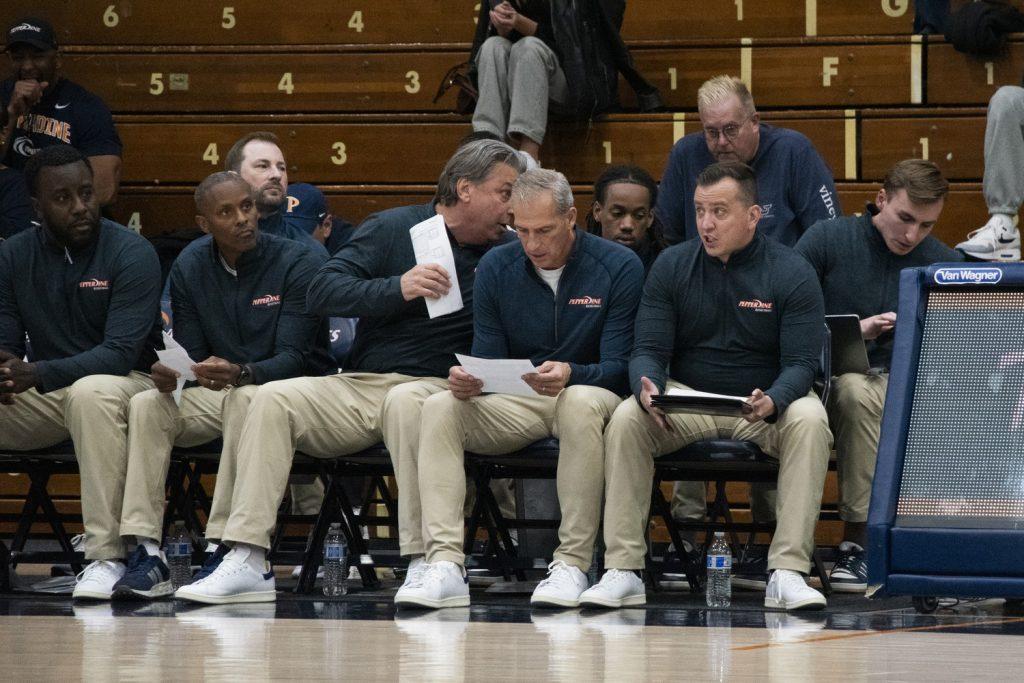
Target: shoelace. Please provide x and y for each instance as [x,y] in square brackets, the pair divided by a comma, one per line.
[97,567]
[613,576]
[849,562]
[558,573]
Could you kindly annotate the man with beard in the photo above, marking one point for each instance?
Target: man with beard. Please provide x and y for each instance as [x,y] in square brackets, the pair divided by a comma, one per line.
[258,158]
[86,291]
[39,108]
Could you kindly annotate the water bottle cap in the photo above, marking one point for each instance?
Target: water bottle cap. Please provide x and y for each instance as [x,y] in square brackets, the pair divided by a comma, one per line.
[335,526]
[719,534]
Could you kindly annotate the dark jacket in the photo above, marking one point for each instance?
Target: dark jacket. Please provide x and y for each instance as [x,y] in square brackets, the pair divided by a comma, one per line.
[588,323]
[859,274]
[363,280]
[756,322]
[94,311]
[257,317]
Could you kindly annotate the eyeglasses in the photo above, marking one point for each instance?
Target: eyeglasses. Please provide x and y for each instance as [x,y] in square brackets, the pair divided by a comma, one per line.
[731,132]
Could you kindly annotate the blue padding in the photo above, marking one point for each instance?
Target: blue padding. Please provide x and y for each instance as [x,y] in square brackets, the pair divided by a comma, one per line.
[953,586]
[971,274]
[895,421]
[977,552]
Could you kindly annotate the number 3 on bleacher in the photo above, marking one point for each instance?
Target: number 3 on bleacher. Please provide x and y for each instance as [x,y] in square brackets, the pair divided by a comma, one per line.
[413,86]
[341,157]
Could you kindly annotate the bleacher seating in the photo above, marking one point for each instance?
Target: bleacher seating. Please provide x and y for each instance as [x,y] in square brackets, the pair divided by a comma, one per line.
[348,86]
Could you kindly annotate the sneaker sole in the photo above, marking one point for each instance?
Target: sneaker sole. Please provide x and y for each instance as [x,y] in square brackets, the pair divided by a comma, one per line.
[998,255]
[807,605]
[624,602]
[454,601]
[90,595]
[256,596]
[550,601]
[840,587]
[160,590]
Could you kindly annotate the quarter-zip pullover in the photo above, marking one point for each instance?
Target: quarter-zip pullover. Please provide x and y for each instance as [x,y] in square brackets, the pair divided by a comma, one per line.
[363,280]
[90,311]
[587,323]
[257,317]
[755,322]
[859,274]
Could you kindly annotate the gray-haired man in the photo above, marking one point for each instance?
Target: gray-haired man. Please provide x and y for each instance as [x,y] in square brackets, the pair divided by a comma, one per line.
[376,279]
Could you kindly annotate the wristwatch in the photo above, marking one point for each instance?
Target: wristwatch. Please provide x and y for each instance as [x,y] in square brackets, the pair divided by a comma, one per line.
[244,376]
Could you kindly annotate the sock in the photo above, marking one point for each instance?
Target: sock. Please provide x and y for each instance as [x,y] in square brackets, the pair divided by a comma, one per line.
[416,560]
[211,547]
[255,556]
[151,546]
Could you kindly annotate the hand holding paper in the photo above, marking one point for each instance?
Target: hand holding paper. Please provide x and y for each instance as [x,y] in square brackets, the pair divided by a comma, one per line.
[499,376]
[431,246]
[176,358]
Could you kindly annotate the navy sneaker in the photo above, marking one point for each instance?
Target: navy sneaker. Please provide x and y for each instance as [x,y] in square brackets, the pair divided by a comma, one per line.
[147,577]
[751,569]
[212,562]
[850,572]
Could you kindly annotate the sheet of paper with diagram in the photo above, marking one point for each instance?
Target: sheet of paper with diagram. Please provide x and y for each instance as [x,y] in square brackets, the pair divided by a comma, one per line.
[430,244]
[500,376]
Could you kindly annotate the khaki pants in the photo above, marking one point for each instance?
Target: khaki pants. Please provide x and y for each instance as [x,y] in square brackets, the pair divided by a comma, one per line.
[93,413]
[800,440]
[500,423]
[323,417]
[155,426]
[855,413]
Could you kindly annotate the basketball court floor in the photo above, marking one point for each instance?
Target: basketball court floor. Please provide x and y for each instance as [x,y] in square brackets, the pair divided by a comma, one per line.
[363,637]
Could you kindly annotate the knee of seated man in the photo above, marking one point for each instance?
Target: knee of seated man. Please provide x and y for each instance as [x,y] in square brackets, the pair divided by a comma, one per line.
[442,403]
[1007,95]
[146,400]
[92,387]
[496,44]
[628,418]
[807,412]
[583,400]
[403,397]
[850,394]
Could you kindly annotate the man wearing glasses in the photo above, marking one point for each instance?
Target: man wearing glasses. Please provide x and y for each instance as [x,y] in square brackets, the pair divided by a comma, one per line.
[795,188]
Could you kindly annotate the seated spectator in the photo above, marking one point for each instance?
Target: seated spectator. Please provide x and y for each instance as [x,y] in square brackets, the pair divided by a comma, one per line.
[858,260]
[242,347]
[518,73]
[39,108]
[258,158]
[86,291]
[1003,185]
[580,347]
[795,188]
[623,211]
[694,330]
[374,278]
[309,213]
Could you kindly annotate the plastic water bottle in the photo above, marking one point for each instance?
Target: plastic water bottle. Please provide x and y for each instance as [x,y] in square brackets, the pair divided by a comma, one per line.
[335,562]
[178,549]
[719,584]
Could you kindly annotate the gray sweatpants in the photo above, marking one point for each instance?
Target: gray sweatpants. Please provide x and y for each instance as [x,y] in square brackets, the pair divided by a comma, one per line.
[1004,151]
[516,81]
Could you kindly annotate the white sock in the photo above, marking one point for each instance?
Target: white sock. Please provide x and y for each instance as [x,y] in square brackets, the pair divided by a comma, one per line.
[255,556]
[416,560]
[211,547]
[151,546]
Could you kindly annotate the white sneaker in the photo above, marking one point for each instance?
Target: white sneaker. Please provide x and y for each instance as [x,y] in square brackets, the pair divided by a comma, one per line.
[562,587]
[441,584]
[414,573]
[96,582]
[788,590]
[297,572]
[234,580]
[997,240]
[617,588]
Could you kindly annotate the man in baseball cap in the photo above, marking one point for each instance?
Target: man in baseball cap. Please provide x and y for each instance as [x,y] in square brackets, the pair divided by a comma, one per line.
[40,108]
[306,211]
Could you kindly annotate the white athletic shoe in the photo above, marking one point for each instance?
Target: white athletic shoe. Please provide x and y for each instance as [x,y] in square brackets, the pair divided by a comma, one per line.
[441,584]
[617,588]
[562,587]
[414,573]
[234,580]
[788,590]
[96,582]
[997,240]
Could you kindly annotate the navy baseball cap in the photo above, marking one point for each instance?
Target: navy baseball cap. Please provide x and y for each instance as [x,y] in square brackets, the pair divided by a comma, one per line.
[35,32]
[306,207]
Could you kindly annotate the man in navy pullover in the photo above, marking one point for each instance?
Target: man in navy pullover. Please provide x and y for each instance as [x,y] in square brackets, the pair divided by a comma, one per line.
[86,291]
[794,186]
[732,313]
[375,277]
[239,304]
[566,300]
[858,260]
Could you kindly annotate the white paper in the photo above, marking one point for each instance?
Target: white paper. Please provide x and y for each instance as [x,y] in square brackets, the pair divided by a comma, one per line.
[430,244]
[176,358]
[500,376]
[693,393]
